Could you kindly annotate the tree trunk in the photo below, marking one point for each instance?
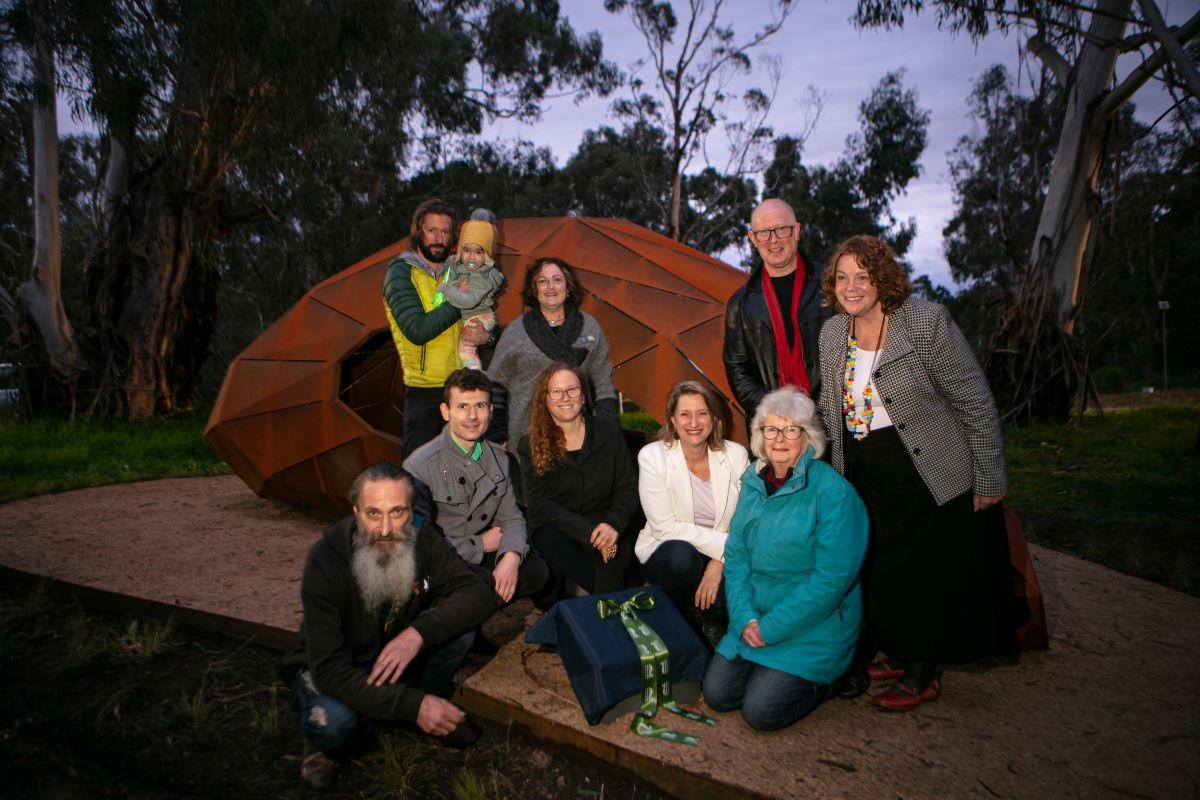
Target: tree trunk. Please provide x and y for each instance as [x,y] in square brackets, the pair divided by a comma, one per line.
[154,298]
[1071,207]
[42,293]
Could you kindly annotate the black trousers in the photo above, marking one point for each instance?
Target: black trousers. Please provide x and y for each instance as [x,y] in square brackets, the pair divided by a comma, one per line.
[422,416]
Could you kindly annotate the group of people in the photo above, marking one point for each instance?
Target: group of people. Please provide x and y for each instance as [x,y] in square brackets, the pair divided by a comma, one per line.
[865,519]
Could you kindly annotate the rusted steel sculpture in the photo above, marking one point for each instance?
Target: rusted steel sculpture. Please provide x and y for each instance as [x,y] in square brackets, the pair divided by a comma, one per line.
[316,397]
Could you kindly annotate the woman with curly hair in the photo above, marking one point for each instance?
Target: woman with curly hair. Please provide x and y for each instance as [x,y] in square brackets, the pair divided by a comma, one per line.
[553,329]
[916,432]
[580,486]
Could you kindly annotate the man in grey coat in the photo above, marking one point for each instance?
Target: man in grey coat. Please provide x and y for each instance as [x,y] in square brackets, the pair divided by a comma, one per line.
[474,500]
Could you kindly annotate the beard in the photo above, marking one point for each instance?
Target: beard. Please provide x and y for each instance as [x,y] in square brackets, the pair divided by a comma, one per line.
[385,570]
[433,253]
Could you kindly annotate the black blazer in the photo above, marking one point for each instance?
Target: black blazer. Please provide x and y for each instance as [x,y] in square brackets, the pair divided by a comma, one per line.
[598,485]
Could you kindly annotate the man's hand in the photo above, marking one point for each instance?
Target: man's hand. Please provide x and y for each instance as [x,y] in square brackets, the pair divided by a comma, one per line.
[490,539]
[505,575]
[395,657]
[710,582]
[438,717]
[751,636]
[474,333]
[604,539]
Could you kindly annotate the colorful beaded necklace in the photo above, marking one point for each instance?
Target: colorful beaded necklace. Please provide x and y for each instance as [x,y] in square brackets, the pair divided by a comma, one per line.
[859,425]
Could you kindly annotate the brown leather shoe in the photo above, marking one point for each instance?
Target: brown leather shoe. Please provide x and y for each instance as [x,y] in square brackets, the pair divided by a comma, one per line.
[902,697]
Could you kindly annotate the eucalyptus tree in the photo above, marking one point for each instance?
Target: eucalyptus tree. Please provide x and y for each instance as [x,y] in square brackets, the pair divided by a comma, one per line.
[683,87]
[208,112]
[855,194]
[1034,366]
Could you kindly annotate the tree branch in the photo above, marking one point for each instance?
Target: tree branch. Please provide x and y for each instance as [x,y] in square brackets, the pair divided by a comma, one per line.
[1174,50]
[1045,52]
[1136,79]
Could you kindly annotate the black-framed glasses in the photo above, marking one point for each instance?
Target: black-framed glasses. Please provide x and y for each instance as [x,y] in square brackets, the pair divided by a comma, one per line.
[571,392]
[782,232]
[791,432]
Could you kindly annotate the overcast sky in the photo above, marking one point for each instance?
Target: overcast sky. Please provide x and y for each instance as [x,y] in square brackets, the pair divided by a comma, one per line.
[820,47]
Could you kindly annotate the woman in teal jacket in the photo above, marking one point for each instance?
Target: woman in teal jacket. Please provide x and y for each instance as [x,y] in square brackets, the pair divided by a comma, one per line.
[792,560]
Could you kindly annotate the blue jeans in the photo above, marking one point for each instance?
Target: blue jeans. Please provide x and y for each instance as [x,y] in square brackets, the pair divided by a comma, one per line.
[677,567]
[769,699]
[329,724]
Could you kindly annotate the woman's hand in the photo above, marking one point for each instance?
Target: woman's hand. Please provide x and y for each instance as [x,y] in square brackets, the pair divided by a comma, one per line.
[751,636]
[604,539]
[710,582]
[982,503]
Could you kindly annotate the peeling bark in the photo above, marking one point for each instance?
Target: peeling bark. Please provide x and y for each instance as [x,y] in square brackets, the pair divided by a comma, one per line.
[41,295]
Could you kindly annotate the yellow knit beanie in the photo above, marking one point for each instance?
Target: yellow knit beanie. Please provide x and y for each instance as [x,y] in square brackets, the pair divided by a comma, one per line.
[477,231]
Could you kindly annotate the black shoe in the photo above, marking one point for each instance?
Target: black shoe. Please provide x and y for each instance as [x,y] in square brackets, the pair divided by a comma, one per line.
[713,632]
[854,683]
[465,735]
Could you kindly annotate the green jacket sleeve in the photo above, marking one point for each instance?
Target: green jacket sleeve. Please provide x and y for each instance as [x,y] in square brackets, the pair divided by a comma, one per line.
[401,298]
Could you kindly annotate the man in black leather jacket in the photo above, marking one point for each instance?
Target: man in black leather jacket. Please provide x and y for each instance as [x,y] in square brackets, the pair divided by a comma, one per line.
[772,326]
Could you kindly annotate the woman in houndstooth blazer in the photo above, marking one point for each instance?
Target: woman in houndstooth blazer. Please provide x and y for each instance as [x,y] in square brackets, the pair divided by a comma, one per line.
[915,429]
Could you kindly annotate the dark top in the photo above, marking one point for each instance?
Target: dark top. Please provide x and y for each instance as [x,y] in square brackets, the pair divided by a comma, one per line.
[340,639]
[599,484]
[783,286]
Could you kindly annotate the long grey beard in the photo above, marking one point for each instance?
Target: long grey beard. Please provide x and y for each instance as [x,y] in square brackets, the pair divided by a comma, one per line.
[384,575]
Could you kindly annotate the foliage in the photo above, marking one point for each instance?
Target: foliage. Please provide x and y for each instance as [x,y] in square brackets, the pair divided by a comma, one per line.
[1148,213]
[999,177]
[1037,361]
[1146,249]
[687,96]
[854,195]
[50,455]
[215,115]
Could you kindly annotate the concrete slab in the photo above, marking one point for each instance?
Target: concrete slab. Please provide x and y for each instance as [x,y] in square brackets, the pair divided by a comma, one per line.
[1107,712]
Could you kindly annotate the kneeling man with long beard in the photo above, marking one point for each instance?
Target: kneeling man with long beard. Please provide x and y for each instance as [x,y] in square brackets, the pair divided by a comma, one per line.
[389,614]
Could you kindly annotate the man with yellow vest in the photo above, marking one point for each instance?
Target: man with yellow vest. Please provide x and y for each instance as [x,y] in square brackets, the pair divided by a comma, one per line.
[426,329]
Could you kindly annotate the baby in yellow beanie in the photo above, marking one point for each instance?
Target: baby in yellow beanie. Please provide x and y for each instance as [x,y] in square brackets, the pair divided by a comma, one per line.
[471,282]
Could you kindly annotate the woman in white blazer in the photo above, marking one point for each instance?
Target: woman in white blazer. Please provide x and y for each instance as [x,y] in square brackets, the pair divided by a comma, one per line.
[689,481]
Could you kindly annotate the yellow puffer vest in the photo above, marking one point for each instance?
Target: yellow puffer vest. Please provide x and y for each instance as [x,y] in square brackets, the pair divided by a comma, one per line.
[430,364]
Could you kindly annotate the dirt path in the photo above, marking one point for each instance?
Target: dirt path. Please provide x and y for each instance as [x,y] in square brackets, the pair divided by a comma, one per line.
[1109,711]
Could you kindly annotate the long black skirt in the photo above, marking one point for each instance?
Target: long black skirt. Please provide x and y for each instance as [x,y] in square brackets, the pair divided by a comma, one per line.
[937,580]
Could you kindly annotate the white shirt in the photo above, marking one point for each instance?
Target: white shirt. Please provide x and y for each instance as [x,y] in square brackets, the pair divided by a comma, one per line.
[864,367]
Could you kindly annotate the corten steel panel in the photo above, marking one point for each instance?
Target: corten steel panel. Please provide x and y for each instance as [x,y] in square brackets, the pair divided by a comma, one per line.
[316,397]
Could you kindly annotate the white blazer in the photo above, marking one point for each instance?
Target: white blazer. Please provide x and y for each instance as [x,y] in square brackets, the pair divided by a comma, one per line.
[665,489]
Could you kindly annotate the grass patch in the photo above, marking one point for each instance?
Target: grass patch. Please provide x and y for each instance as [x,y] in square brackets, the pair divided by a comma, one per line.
[1138,467]
[46,455]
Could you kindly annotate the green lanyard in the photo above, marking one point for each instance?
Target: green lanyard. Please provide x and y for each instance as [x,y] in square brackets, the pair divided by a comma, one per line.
[656,671]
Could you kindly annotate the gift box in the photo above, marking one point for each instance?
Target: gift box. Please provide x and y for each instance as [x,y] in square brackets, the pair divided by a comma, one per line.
[602,661]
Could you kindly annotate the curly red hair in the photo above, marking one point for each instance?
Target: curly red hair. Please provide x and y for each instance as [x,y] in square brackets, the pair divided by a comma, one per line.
[547,443]
[887,274]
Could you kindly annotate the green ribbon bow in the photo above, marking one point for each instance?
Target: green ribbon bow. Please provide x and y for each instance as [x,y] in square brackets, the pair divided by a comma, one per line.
[656,671]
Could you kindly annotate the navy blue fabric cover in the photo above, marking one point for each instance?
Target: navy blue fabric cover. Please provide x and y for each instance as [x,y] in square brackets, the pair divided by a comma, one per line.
[599,656]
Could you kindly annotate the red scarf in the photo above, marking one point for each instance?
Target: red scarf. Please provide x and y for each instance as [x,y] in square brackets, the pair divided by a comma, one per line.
[790,359]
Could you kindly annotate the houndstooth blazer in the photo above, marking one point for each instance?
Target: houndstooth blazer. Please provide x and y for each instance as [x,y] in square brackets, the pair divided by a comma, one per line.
[936,396]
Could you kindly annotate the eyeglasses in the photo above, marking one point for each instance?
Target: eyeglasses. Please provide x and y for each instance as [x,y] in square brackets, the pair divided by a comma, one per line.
[557,280]
[558,394]
[782,232]
[791,432]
